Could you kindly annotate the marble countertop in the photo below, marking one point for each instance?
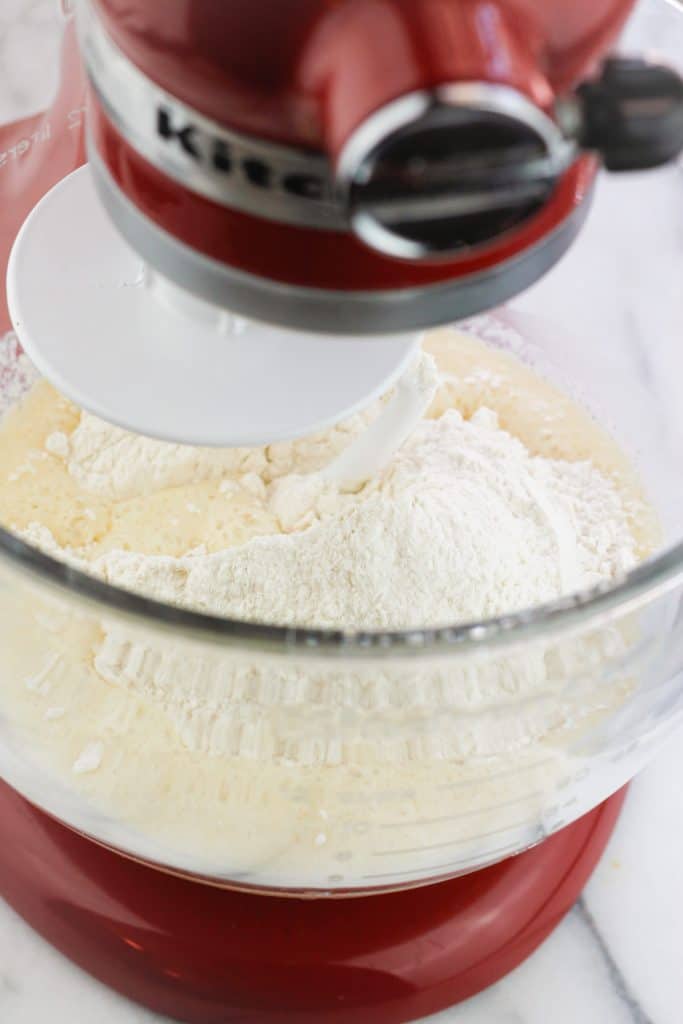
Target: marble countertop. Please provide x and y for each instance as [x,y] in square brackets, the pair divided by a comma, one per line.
[616,957]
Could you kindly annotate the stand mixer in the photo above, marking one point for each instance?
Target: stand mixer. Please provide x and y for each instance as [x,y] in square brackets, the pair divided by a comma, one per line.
[278,200]
[363,170]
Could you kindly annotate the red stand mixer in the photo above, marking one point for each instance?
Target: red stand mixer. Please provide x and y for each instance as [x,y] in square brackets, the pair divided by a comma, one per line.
[346,172]
[301,187]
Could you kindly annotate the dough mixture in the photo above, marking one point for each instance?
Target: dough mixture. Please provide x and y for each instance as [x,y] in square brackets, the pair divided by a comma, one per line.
[503,495]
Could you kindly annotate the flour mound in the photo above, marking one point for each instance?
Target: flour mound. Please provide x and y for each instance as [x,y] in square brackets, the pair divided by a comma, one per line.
[464,523]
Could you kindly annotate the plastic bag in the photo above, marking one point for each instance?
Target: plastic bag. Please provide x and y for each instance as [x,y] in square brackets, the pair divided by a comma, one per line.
[38,151]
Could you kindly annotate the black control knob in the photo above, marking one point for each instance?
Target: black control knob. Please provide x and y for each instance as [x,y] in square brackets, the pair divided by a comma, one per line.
[632,114]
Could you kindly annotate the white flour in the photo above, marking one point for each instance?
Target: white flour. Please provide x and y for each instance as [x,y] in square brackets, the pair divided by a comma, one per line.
[115,464]
[463,523]
[235,758]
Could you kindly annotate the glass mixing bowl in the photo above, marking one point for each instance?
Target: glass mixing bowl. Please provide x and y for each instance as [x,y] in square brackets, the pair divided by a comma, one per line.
[362,762]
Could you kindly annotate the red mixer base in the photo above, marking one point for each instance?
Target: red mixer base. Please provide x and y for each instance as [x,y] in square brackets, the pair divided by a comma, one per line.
[209,956]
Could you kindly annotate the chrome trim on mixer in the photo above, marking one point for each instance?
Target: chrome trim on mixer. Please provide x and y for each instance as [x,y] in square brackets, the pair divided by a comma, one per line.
[443,192]
[281,183]
[327,310]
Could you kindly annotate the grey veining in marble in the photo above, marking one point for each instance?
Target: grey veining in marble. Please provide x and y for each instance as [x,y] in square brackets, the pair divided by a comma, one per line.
[618,982]
[616,959]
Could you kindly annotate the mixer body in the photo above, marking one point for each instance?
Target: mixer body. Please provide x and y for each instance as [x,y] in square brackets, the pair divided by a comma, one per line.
[225,141]
[363,169]
[306,74]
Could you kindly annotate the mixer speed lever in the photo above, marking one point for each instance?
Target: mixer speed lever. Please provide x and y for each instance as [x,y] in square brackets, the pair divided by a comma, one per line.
[632,114]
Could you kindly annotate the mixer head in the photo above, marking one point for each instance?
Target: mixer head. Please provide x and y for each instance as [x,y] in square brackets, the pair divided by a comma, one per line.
[280,197]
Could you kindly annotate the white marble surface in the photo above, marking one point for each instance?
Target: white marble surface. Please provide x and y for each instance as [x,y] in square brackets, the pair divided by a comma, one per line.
[617,957]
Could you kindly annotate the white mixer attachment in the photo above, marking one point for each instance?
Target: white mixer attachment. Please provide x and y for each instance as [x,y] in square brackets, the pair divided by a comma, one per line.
[131,347]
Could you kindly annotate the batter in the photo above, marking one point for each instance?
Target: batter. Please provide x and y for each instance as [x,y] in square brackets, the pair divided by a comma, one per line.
[292,772]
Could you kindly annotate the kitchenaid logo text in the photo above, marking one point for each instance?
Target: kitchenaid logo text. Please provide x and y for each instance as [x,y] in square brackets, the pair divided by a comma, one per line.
[224,158]
[282,183]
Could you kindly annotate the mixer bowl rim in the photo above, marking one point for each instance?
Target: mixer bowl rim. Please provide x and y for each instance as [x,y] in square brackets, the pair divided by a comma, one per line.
[584,609]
